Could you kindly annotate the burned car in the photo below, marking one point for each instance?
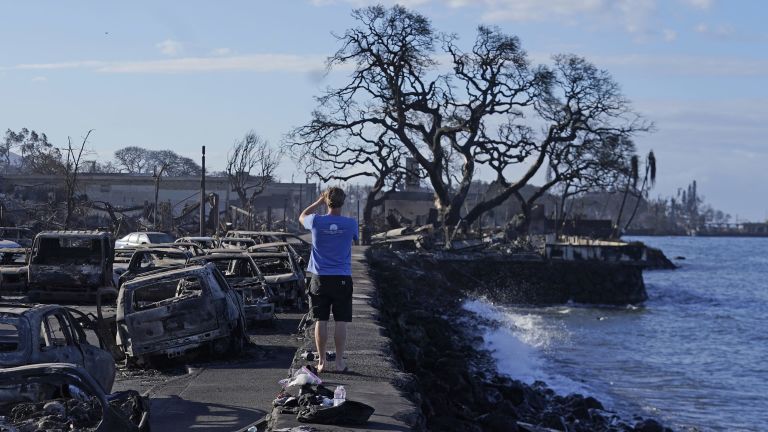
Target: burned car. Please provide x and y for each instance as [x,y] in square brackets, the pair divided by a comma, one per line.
[62,396]
[13,269]
[71,265]
[20,236]
[241,243]
[145,260]
[203,242]
[303,247]
[283,275]
[51,334]
[243,275]
[175,311]
[192,247]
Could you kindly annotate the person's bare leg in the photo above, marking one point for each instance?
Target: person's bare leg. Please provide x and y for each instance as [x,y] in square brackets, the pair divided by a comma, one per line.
[321,340]
[340,339]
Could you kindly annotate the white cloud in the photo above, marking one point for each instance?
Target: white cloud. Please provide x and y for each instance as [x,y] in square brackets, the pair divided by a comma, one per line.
[700,4]
[362,3]
[276,62]
[222,52]
[39,79]
[687,65]
[670,35]
[722,31]
[251,62]
[170,47]
[639,18]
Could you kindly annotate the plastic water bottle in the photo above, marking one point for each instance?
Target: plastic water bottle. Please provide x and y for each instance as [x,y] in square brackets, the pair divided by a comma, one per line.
[339,395]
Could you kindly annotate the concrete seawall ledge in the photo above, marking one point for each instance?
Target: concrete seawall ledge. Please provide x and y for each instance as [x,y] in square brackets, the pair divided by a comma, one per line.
[375,377]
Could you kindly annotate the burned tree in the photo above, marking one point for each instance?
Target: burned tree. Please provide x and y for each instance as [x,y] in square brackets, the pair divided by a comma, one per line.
[631,173]
[481,112]
[595,162]
[71,171]
[251,166]
[351,154]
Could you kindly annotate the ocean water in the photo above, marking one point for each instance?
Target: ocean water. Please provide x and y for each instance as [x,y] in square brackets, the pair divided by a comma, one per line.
[694,355]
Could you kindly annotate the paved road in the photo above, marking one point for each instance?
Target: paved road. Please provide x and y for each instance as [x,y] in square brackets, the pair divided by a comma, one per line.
[370,359]
[223,395]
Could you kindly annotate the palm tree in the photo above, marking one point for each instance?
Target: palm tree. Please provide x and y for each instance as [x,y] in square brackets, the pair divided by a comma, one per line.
[649,180]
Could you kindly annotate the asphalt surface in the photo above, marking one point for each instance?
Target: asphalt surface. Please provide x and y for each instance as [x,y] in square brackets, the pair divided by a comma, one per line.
[219,395]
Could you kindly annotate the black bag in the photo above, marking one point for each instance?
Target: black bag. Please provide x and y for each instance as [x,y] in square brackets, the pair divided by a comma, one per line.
[347,413]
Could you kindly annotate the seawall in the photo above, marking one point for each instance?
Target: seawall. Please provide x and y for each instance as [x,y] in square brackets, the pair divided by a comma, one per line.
[457,386]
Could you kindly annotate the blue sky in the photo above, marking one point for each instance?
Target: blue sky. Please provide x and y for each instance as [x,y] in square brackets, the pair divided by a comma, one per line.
[181,74]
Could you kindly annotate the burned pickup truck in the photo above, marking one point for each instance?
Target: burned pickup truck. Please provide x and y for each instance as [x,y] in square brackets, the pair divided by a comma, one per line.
[64,397]
[71,266]
[170,313]
[13,270]
[52,334]
[243,275]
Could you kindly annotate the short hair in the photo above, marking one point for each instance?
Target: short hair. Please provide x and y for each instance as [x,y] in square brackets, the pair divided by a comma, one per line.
[334,197]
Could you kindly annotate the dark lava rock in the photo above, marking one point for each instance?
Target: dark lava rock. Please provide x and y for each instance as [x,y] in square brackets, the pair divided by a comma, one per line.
[513,392]
[498,422]
[649,425]
[506,408]
[448,424]
[593,403]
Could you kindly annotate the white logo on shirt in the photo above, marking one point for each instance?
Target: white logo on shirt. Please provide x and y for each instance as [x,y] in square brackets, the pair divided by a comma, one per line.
[334,227]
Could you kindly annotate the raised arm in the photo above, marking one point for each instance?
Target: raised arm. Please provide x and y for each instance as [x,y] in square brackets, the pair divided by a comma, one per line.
[311,209]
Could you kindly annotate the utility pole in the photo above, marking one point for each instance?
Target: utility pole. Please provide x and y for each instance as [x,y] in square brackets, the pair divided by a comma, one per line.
[157,191]
[202,197]
[285,213]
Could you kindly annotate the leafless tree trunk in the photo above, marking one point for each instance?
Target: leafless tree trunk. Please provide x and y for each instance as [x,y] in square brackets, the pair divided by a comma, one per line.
[71,170]
[251,166]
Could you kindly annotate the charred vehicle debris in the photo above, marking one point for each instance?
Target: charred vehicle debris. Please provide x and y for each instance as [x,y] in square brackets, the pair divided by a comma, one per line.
[71,266]
[13,269]
[32,334]
[284,275]
[62,396]
[243,275]
[150,259]
[152,302]
[170,313]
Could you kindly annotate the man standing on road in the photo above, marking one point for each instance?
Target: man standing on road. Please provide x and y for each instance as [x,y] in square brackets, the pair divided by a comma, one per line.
[330,288]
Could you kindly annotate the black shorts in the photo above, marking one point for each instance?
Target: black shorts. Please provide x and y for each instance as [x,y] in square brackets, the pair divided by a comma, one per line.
[330,294]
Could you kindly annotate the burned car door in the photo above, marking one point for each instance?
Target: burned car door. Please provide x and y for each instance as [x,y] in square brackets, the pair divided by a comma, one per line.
[56,343]
[99,362]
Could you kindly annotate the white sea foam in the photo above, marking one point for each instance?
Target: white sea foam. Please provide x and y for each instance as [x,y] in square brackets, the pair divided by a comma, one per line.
[518,341]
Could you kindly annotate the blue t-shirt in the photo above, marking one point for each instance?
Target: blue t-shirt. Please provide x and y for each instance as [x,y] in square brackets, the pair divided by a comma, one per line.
[332,238]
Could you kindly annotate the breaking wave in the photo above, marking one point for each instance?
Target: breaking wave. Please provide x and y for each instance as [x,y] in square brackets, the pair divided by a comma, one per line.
[518,342]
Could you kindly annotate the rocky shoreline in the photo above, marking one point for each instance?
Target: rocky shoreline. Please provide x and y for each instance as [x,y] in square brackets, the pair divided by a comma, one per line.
[455,379]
